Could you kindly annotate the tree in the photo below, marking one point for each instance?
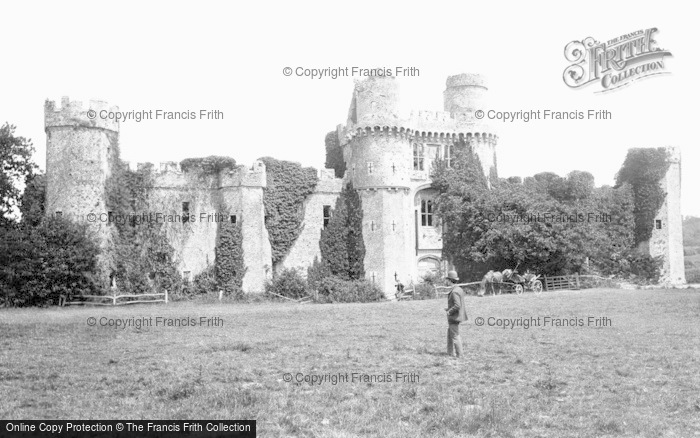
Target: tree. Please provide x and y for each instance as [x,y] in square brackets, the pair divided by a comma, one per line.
[460,205]
[549,224]
[342,245]
[334,154]
[579,185]
[39,264]
[15,165]
[33,201]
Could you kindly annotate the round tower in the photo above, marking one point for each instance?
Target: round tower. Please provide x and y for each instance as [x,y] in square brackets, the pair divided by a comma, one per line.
[376,99]
[464,95]
[378,153]
[81,148]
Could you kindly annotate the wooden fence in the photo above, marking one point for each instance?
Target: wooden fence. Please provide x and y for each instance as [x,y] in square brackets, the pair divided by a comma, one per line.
[113,300]
[550,283]
[576,282]
[435,291]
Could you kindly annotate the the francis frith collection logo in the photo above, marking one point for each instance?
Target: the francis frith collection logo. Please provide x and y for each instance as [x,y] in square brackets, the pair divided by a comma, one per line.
[615,63]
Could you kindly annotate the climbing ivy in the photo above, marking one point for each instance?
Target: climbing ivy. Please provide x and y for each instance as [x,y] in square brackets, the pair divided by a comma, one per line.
[209,165]
[230,266]
[334,154]
[139,254]
[643,169]
[288,186]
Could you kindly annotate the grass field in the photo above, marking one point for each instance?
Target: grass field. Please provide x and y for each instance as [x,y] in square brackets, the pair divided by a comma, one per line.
[638,377]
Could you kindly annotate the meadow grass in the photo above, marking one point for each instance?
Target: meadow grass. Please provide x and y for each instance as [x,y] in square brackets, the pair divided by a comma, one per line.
[637,377]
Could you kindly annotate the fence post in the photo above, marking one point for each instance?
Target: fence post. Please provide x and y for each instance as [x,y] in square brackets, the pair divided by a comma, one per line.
[114,299]
[221,294]
[166,296]
[578,283]
[545,282]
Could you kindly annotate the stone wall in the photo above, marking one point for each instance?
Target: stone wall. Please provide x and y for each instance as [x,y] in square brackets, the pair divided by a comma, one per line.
[231,195]
[80,154]
[388,236]
[667,233]
[306,247]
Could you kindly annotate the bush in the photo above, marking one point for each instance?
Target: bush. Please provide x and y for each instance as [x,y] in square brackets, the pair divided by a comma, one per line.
[336,290]
[692,276]
[316,273]
[42,263]
[288,283]
[202,284]
[424,291]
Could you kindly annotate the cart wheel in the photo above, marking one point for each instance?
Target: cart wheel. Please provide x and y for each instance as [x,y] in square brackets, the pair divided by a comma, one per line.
[537,287]
[519,289]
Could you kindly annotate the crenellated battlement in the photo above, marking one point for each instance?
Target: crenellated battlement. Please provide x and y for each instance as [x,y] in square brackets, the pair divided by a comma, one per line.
[80,114]
[433,136]
[674,154]
[466,80]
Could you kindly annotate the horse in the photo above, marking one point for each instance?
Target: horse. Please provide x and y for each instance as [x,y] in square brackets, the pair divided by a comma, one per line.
[498,278]
[490,278]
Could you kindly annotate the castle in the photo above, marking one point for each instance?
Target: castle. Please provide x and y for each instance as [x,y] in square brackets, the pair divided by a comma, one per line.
[388,158]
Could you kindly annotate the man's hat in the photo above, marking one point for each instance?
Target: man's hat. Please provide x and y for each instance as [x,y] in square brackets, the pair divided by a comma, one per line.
[452,275]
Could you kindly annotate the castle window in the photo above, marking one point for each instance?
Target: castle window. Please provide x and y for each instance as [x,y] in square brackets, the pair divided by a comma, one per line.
[448,155]
[186,276]
[185,212]
[59,214]
[233,218]
[369,167]
[326,215]
[658,224]
[371,225]
[418,158]
[426,212]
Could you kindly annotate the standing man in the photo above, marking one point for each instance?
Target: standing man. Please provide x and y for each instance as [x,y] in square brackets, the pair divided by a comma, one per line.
[456,314]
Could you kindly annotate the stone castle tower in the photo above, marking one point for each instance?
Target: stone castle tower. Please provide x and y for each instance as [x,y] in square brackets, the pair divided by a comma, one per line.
[389,157]
[80,154]
[667,233]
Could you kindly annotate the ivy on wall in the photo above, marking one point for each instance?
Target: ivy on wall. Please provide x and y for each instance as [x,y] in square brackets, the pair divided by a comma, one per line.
[209,165]
[139,256]
[229,265]
[643,169]
[334,154]
[342,246]
[288,186]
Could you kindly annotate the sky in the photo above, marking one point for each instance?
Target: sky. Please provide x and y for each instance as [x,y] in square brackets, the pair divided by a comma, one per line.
[231,56]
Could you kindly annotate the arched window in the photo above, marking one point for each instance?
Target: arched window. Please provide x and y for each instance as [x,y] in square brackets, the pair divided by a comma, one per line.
[427,265]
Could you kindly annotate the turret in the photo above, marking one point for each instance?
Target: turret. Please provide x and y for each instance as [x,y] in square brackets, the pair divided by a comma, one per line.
[667,233]
[81,149]
[465,93]
[375,101]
